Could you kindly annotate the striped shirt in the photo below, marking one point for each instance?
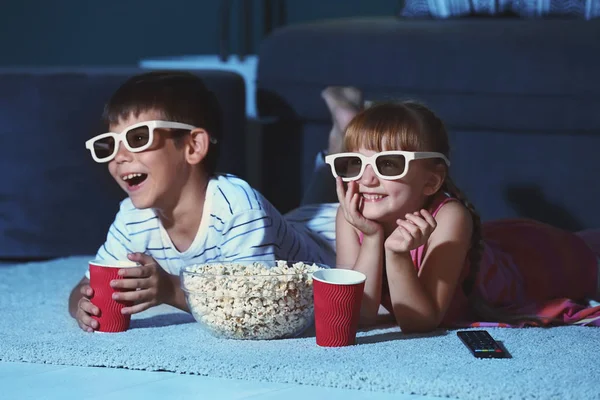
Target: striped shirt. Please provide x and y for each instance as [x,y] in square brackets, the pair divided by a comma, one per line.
[237,223]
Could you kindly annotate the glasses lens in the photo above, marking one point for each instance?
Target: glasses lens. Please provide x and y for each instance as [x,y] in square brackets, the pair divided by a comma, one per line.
[138,137]
[347,167]
[104,148]
[391,165]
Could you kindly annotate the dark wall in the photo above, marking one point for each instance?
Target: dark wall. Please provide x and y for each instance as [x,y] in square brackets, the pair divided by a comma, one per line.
[120,32]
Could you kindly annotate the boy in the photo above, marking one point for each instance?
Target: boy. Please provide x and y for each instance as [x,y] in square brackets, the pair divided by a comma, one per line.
[178,210]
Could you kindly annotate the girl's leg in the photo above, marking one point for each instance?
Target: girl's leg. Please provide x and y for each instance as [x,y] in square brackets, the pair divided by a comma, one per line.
[592,238]
[343,103]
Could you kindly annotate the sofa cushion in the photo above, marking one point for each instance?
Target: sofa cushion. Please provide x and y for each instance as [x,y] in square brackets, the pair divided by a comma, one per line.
[476,73]
[54,199]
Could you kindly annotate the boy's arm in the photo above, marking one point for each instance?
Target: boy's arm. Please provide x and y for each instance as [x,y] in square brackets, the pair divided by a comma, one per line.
[116,247]
[76,295]
[177,298]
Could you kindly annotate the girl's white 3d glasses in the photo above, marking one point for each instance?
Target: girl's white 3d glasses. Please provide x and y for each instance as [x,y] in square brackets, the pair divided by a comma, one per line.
[388,165]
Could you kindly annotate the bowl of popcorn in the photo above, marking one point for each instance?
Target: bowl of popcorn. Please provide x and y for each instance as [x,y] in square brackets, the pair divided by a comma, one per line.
[251,300]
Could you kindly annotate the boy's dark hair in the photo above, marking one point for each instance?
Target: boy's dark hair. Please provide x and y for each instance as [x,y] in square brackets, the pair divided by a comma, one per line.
[180,96]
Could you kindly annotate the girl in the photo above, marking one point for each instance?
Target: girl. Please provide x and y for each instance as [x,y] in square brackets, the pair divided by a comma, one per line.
[428,259]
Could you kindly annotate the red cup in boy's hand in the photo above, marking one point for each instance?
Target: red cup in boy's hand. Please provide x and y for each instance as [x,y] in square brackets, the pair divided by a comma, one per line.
[337,295]
[110,318]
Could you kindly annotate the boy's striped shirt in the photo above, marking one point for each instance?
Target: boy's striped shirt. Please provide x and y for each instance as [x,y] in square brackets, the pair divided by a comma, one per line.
[237,223]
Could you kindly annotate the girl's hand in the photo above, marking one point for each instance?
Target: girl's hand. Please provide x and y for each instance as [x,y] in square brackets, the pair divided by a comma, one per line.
[148,285]
[411,233]
[350,202]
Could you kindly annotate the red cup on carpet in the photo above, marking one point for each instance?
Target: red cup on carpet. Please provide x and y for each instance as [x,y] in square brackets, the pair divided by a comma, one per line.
[101,273]
[337,295]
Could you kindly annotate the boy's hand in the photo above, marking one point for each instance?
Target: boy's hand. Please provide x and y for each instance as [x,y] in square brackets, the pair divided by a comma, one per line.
[147,285]
[85,310]
[412,232]
[350,203]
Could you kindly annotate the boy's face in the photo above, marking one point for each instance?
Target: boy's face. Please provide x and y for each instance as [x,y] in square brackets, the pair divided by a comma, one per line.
[150,176]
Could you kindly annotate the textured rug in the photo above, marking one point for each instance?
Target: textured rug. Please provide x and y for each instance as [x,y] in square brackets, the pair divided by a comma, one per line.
[35,326]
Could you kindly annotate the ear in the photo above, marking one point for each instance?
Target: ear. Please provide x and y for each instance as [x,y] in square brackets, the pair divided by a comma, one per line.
[197,146]
[435,180]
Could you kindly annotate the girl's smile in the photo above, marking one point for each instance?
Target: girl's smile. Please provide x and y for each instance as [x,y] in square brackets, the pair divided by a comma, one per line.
[373,197]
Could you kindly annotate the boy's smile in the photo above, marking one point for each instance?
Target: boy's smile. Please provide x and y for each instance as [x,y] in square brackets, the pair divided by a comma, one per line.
[134,180]
[127,169]
[150,175]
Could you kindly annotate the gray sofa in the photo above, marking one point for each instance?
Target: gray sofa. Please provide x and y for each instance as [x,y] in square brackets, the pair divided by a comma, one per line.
[521,99]
[54,199]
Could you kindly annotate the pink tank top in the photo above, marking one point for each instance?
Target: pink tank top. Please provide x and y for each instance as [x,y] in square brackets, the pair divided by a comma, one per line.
[459,304]
[526,266]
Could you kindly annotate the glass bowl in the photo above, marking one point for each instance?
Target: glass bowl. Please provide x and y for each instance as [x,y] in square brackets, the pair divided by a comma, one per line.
[254,300]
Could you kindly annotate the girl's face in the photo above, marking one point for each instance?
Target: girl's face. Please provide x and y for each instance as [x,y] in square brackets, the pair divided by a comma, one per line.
[385,200]
[151,177]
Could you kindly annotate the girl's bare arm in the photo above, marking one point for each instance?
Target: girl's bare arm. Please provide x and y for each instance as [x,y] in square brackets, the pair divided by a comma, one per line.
[366,258]
[420,301]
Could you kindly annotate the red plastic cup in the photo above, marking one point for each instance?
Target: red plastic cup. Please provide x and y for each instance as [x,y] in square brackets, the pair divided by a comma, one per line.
[101,273]
[337,295]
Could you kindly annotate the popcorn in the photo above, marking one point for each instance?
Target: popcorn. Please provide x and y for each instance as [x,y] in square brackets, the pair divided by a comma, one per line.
[251,301]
